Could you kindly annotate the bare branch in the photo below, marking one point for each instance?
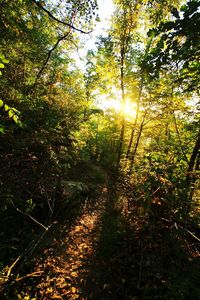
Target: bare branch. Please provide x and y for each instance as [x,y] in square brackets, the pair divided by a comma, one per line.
[48,58]
[12,266]
[34,274]
[61,38]
[59,21]
[27,215]
[176,225]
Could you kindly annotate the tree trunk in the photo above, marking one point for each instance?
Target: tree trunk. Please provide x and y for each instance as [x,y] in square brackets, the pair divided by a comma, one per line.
[194,159]
[179,138]
[137,143]
[138,103]
[121,139]
[135,123]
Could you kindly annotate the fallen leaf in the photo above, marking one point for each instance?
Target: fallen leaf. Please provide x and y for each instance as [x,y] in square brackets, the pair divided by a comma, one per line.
[75,267]
[73,290]
[56,297]
[74,274]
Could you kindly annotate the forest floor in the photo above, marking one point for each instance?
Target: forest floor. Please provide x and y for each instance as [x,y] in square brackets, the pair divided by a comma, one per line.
[85,258]
[100,255]
[68,263]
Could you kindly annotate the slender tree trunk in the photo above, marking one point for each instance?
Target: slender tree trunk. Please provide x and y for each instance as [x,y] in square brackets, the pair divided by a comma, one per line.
[197,162]
[194,160]
[179,137]
[138,105]
[129,23]
[135,123]
[137,143]
[96,140]
[24,68]
[121,139]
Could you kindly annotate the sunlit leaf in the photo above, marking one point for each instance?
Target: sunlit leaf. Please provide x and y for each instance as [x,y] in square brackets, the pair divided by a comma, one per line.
[10,113]
[16,119]
[6,107]
[73,290]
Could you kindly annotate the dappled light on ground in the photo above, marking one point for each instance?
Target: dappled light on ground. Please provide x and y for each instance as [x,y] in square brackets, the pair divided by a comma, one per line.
[64,265]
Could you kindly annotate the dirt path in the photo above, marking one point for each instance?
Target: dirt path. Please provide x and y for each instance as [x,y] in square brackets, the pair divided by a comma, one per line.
[100,255]
[64,266]
[86,260]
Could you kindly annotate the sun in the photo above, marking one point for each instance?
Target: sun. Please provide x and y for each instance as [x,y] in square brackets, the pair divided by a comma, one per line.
[128,109]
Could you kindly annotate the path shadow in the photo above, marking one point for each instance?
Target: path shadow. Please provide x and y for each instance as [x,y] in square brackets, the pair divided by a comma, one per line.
[109,270]
[154,261]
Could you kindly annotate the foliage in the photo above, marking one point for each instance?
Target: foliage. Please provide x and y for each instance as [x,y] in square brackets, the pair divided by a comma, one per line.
[58,138]
[41,108]
[176,46]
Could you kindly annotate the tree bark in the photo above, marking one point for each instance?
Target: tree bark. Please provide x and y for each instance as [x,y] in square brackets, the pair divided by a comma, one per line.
[193,163]
[137,143]
[121,139]
[135,123]
[179,137]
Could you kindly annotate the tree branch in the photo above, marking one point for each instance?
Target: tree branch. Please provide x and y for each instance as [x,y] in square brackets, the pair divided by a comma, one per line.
[12,266]
[57,20]
[48,58]
[61,38]
[179,226]
[27,215]
[34,274]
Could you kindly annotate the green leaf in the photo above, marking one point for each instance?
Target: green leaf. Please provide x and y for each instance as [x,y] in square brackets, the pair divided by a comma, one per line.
[6,107]
[1,103]
[2,130]
[10,113]
[16,111]
[3,59]
[1,66]
[16,119]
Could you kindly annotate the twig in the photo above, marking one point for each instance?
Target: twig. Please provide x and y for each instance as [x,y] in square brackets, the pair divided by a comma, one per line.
[34,274]
[59,21]
[27,215]
[12,266]
[177,225]
[24,255]
[152,194]
[156,191]
[38,241]
[192,234]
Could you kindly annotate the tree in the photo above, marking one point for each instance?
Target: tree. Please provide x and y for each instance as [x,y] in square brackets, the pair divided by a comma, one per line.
[176,51]
[41,88]
[176,47]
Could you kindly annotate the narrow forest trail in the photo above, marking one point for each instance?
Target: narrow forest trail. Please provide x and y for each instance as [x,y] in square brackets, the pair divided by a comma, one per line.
[100,255]
[66,265]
